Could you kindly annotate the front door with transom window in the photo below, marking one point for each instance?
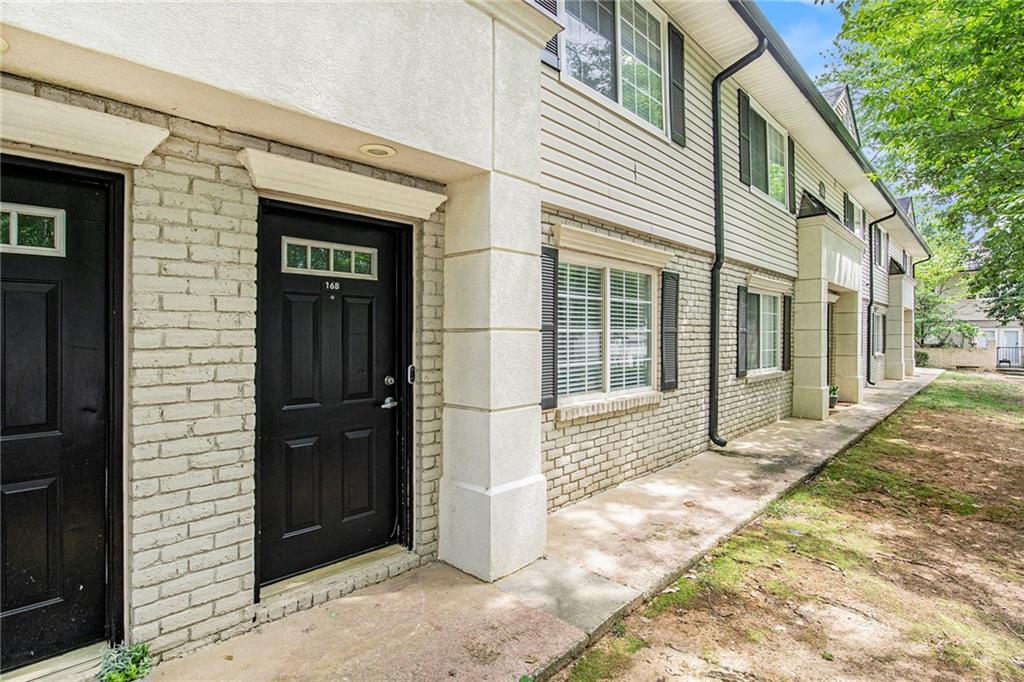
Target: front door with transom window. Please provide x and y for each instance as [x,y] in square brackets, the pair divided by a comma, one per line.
[58,416]
[328,387]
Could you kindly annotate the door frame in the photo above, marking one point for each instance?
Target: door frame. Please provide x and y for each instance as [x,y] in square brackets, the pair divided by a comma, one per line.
[404,358]
[115,184]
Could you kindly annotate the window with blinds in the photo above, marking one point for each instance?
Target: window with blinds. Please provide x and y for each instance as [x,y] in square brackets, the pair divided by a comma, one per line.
[580,329]
[605,329]
[629,330]
[769,331]
[764,332]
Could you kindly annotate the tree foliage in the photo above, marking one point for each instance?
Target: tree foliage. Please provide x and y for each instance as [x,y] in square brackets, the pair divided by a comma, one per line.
[940,91]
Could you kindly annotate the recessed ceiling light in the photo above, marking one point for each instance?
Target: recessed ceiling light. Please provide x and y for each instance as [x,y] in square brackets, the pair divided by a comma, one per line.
[379,151]
[3,45]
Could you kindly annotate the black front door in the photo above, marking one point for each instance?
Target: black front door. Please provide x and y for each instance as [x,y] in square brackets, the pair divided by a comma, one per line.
[56,265]
[330,380]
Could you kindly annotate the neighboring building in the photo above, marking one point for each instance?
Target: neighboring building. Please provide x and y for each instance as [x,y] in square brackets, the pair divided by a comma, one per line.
[288,285]
[1007,339]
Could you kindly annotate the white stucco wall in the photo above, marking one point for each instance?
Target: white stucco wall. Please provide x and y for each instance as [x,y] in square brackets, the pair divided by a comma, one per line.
[326,59]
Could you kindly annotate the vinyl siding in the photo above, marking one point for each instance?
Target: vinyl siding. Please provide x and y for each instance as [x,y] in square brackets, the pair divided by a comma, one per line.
[596,162]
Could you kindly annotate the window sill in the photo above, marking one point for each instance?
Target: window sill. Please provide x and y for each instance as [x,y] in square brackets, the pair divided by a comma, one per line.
[615,108]
[765,376]
[604,406]
[770,200]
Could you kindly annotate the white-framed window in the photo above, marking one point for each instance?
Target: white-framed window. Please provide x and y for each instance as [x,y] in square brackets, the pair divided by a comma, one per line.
[881,246]
[36,230]
[618,49]
[764,332]
[877,332]
[985,337]
[606,327]
[767,155]
[858,217]
[327,259]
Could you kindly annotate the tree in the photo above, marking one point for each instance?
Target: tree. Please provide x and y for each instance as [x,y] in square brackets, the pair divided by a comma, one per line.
[942,282]
[940,91]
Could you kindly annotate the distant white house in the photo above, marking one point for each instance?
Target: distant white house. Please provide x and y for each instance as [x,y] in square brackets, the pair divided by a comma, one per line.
[1007,338]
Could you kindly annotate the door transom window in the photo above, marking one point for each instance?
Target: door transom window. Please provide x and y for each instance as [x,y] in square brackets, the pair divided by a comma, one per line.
[327,259]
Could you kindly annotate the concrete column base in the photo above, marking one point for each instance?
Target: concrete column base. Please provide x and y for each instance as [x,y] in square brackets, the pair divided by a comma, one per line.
[492,532]
[810,402]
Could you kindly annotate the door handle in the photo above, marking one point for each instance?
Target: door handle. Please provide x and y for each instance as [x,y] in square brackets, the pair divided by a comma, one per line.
[389,403]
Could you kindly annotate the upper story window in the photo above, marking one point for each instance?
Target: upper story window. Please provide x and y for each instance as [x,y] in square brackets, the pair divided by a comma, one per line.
[763,151]
[881,247]
[618,49]
[605,327]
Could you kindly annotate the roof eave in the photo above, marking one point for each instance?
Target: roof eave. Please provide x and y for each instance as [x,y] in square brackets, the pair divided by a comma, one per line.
[759,24]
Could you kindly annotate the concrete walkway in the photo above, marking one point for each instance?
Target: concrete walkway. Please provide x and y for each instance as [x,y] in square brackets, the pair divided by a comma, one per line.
[605,556]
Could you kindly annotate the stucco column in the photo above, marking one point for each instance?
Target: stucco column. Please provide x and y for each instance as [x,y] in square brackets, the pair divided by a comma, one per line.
[810,348]
[894,361]
[493,498]
[849,346]
[493,494]
[909,361]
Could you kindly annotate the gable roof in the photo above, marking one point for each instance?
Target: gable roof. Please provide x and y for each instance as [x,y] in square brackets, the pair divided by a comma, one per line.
[832,95]
[841,101]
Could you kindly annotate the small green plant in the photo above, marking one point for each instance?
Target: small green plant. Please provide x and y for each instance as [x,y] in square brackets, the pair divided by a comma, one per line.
[125,662]
[828,655]
[920,358]
[833,391]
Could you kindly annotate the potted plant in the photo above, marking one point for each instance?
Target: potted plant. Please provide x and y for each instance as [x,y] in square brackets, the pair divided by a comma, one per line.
[125,662]
[833,396]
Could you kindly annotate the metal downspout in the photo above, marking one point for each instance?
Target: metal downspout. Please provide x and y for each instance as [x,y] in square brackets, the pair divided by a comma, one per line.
[716,269]
[871,288]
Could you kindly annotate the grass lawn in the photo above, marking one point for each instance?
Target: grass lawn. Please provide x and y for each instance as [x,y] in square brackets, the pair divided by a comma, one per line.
[903,559]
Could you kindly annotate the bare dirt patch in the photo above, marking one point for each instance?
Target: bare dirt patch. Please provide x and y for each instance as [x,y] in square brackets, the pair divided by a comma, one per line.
[903,559]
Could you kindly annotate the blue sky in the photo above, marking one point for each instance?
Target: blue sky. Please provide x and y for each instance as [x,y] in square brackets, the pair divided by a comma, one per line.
[807,28]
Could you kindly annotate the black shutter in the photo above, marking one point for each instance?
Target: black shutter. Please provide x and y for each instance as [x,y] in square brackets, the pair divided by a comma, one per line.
[787,333]
[741,331]
[744,126]
[676,86]
[669,330]
[884,333]
[549,327]
[791,163]
[549,55]
[847,211]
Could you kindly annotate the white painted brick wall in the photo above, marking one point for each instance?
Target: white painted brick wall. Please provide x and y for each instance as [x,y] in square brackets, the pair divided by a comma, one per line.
[191,287]
[585,456]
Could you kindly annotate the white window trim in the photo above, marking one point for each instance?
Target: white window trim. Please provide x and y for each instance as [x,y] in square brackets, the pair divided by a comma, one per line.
[878,333]
[59,216]
[777,367]
[607,264]
[616,105]
[858,227]
[770,120]
[286,240]
[883,247]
